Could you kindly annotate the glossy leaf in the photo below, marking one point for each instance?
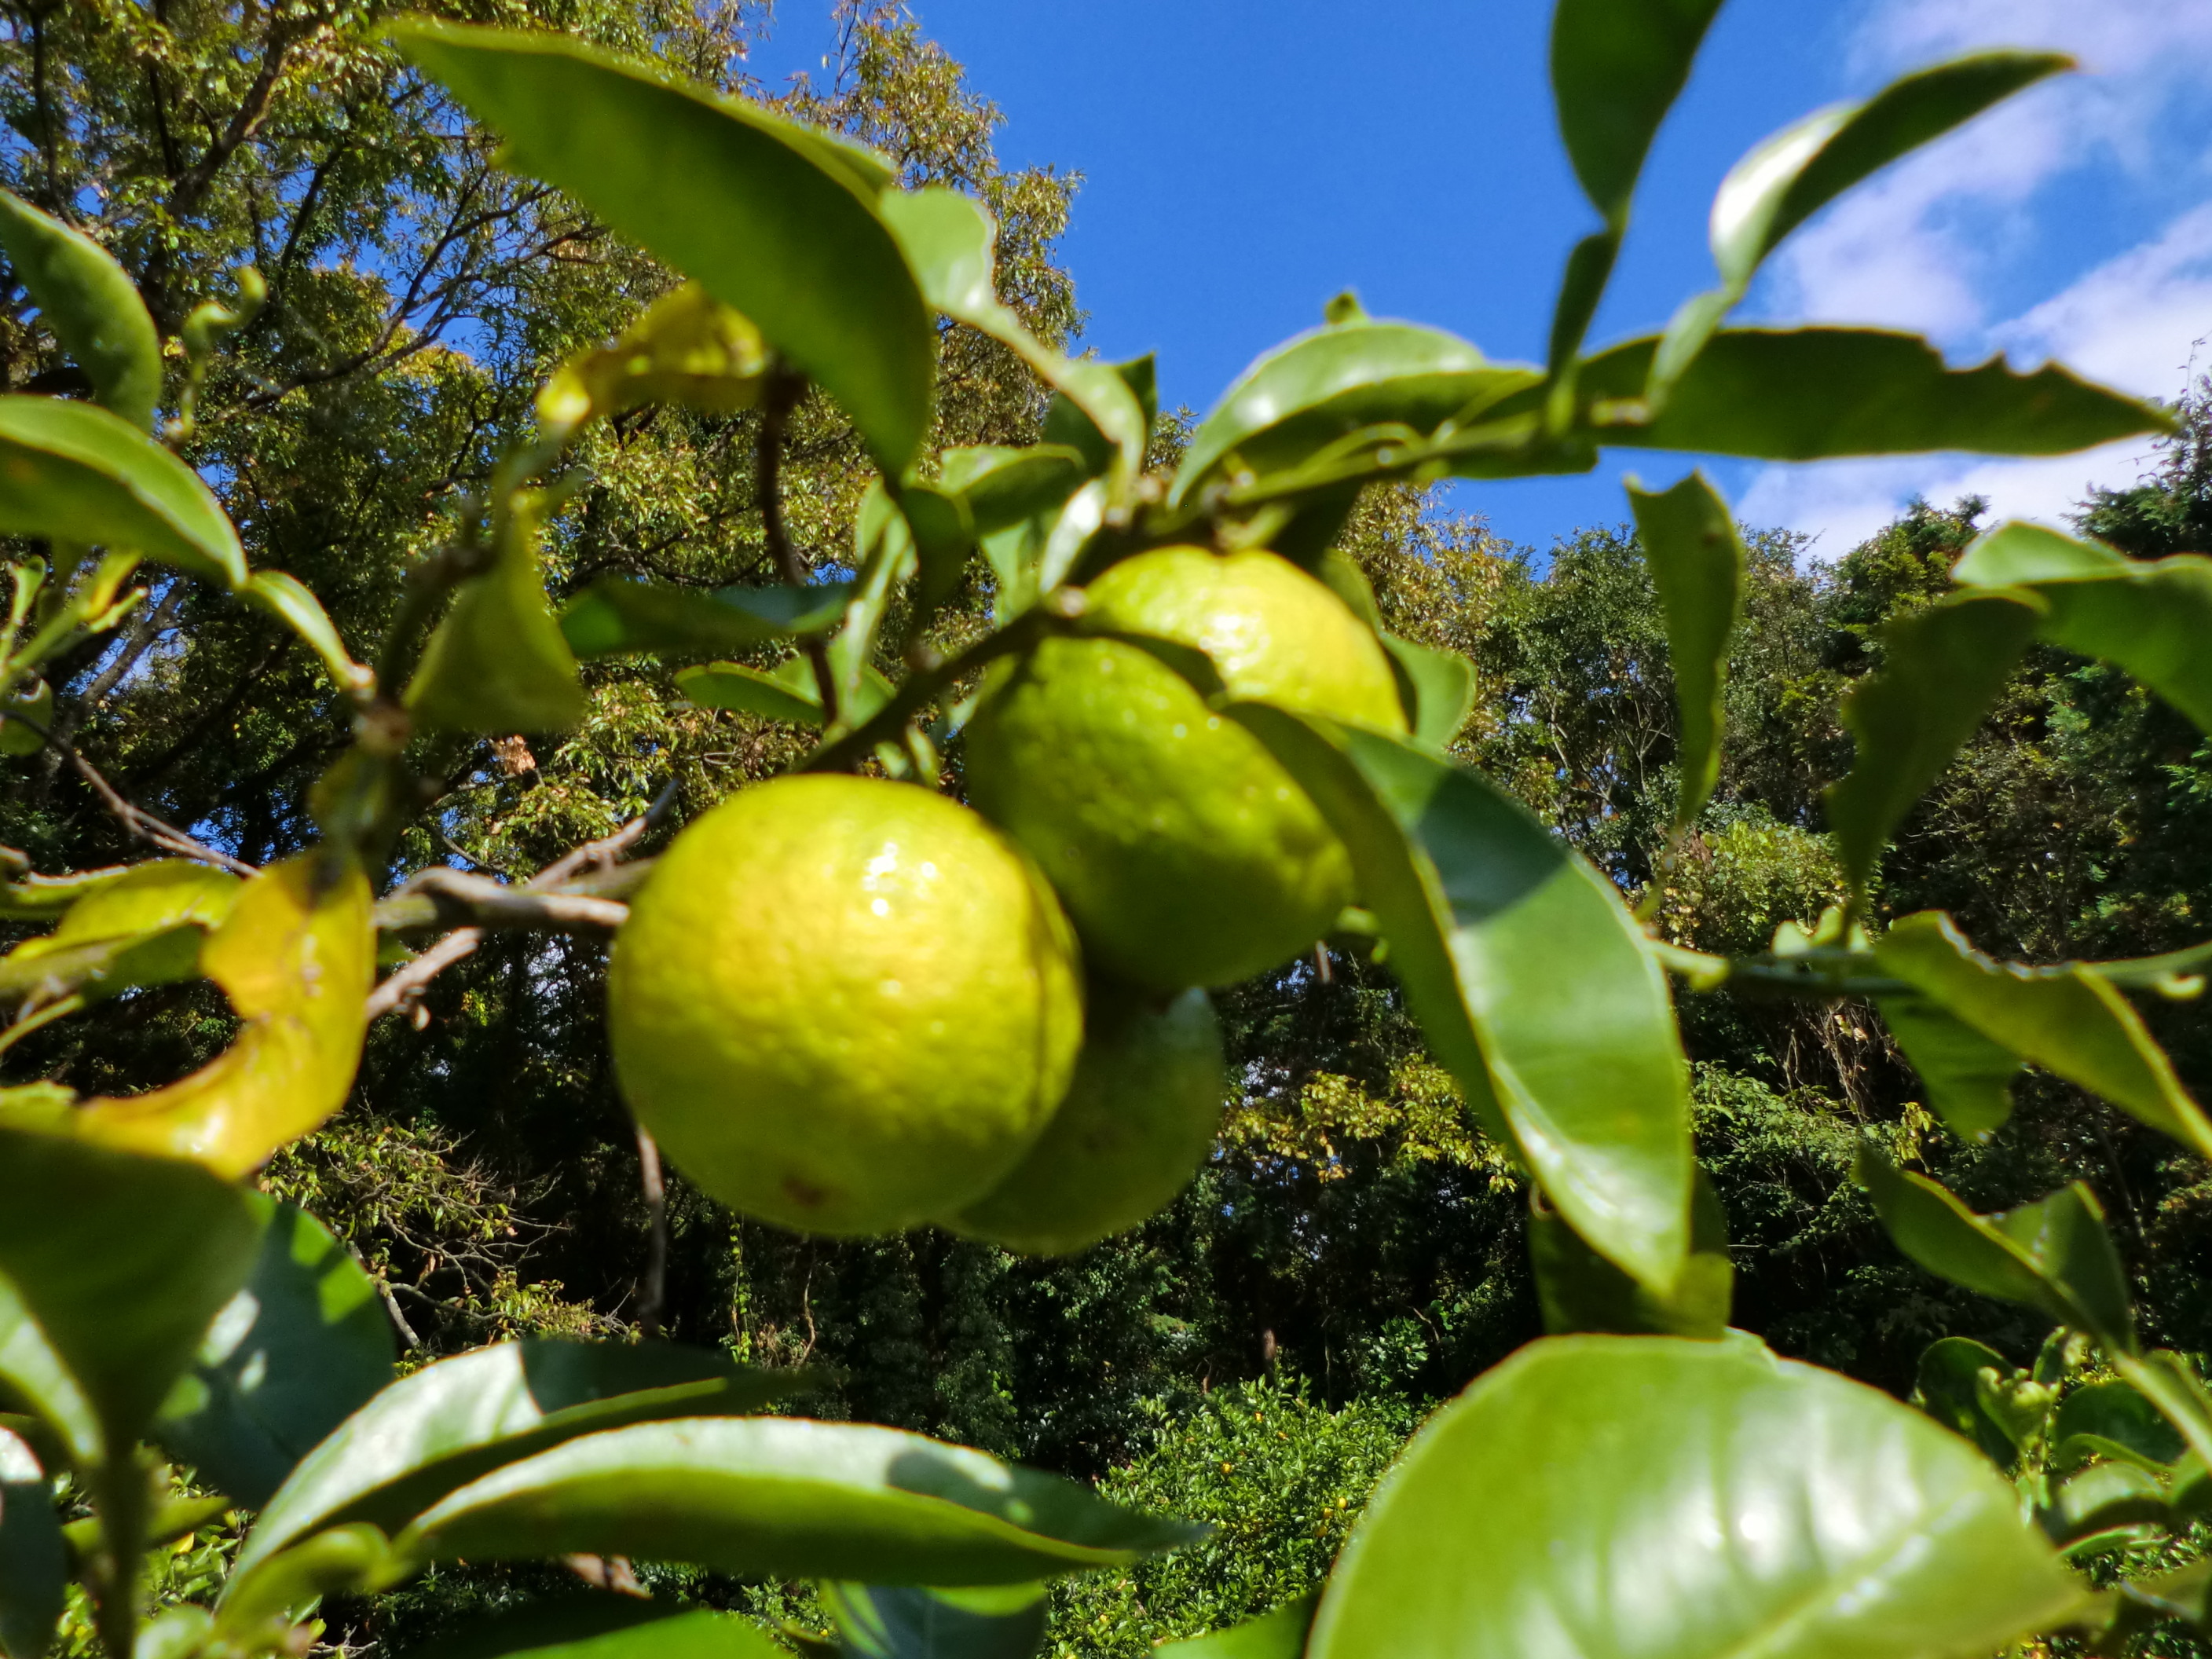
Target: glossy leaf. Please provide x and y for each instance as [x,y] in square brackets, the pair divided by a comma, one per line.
[1442,687]
[1696,563]
[2151,617]
[498,661]
[1943,668]
[603,1627]
[1647,1497]
[69,472]
[296,956]
[91,304]
[33,1568]
[1578,1290]
[2116,1412]
[295,1353]
[288,599]
[1790,176]
[1616,68]
[1306,394]
[615,616]
[1968,1077]
[687,347]
[2072,1022]
[776,220]
[1809,393]
[118,1261]
[913,1621]
[1527,976]
[786,1497]
[1280,1634]
[441,1427]
[1949,1387]
[33,1378]
[2053,1255]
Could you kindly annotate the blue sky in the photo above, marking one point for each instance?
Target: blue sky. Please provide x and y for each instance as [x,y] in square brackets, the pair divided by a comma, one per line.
[1244,160]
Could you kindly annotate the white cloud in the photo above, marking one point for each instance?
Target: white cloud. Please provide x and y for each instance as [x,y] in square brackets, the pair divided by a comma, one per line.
[1923,246]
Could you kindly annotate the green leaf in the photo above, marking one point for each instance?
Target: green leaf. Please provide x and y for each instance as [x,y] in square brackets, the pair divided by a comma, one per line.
[780,1496]
[33,1567]
[1646,1497]
[1942,667]
[441,1427]
[1696,563]
[288,599]
[1580,1291]
[144,929]
[119,1261]
[912,1621]
[259,1604]
[784,693]
[92,306]
[2069,1020]
[1949,1388]
[295,1353]
[71,472]
[605,1627]
[778,221]
[616,617]
[1790,176]
[2117,1412]
[1807,394]
[33,1377]
[1969,1077]
[1437,687]
[1005,487]
[498,662]
[686,347]
[2053,1255]
[1617,66]
[2150,618]
[944,533]
[1322,387]
[1529,977]
[1097,410]
[1280,1634]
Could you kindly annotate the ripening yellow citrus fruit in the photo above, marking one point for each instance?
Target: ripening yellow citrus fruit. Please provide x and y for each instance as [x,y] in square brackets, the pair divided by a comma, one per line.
[1185,853]
[844,1005]
[1137,1121]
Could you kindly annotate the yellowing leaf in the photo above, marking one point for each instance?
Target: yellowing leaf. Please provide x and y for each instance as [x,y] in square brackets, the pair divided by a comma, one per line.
[143,929]
[295,956]
[498,662]
[688,348]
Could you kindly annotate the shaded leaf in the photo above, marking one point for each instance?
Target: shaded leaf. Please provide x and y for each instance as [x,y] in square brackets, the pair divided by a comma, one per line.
[259,1604]
[2069,1020]
[1528,976]
[35,701]
[295,1353]
[33,1568]
[1004,487]
[296,956]
[1646,1497]
[92,306]
[1580,1291]
[614,615]
[2117,1412]
[786,692]
[71,472]
[776,220]
[1280,1634]
[782,1497]
[1948,1387]
[1696,562]
[605,1627]
[2053,1255]
[288,599]
[118,1261]
[1969,1077]
[912,1621]
[1942,669]
[439,1428]
[1437,687]
[498,661]
[687,347]
[944,533]
[1312,391]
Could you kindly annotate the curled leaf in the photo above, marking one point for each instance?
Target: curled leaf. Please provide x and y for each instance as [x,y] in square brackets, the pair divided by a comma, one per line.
[688,348]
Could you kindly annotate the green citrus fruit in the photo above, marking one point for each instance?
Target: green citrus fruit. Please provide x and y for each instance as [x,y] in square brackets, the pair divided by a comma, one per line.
[1185,853]
[844,1005]
[1136,1123]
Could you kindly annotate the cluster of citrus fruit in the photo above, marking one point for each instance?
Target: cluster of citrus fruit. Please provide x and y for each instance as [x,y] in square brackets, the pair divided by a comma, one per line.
[847,1005]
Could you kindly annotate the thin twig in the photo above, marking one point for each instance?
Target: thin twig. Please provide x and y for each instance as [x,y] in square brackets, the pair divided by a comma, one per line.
[778,399]
[651,1294]
[140,822]
[443,896]
[407,983]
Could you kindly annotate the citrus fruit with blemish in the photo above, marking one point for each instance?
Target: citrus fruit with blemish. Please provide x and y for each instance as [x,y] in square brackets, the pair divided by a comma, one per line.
[1186,854]
[844,1005]
[1137,1121]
